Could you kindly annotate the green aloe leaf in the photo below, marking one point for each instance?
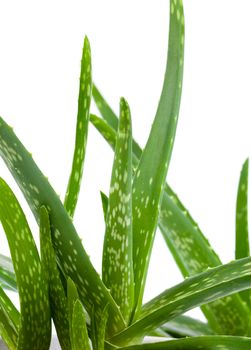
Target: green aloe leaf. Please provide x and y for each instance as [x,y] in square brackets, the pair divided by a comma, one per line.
[184,326]
[35,324]
[80,340]
[58,299]
[194,291]
[10,309]
[198,343]
[84,101]
[98,330]
[104,200]
[117,264]
[191,250]
[7,274]
[242,239]
[8,332]
[71,256]
[152,169]
[186,242]
[72,297]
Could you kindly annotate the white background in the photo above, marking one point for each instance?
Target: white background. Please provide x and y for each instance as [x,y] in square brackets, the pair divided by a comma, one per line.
[40,51]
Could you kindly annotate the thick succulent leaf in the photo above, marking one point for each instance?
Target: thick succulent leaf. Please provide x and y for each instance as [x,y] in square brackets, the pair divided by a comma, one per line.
[84,101]
[242,239]
[35,324]
[98,330]
[104,200]
[184,326]
[152,169]
[198,343]
[194,291]
[191,251]
[10,309]
[80,340]
[72,297]
[8,332]
[7,274]
[58,299]
[117,264]
[71,255]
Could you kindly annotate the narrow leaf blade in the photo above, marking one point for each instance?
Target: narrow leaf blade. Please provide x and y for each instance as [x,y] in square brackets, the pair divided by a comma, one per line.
[84,101]
[242,248]
[194,291]
[152,169]
[117,265]
[58,299]
[71,255]
[35,325]
[80,340]
[190,249]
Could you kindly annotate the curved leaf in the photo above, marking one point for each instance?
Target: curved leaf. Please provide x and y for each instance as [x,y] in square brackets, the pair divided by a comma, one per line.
[84,101]
[7,330]
[71,256]
[194,291]
[35,324]
[150,176]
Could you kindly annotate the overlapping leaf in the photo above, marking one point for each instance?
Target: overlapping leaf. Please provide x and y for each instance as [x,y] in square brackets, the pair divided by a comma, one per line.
[117,265]
[8,332]
[84,101]
[80,340]
[190,249]
[58,299]
[185,326]
[71,255]
[194,291]
[35,326]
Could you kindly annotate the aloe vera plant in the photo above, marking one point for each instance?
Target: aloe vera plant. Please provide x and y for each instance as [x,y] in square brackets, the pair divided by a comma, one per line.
[58,281]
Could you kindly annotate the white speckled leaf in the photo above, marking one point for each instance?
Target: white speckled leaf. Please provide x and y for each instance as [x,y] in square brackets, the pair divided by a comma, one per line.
[98,330]
[7,274]
[198,343]
[71,255]
[150,176]
[84,101]
[194,291]
[72,297]
[80,340]
[242,248]
[35,324]
[58,299]
[117,264]
[185,240]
